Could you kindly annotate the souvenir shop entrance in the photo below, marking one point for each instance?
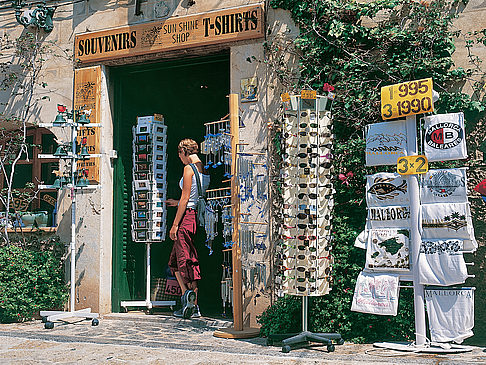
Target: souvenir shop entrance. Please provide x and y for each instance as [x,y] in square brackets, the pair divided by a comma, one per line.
[188,93]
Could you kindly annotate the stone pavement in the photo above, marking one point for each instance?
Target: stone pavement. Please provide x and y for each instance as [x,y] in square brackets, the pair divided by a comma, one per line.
[135,338]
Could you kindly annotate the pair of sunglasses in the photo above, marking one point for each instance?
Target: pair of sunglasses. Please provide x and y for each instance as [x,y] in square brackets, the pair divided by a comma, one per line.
[301,238]
[301,216]
[301,207]
[309,145]
[314,185]
[313,196]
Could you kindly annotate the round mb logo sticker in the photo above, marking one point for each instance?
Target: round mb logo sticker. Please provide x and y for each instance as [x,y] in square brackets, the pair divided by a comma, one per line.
[443,136]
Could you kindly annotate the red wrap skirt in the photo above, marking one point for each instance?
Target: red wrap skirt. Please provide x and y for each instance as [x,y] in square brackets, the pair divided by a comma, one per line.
[183,257]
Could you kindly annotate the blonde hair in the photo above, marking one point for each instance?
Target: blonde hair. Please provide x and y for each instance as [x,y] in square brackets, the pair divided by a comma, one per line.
[188,146]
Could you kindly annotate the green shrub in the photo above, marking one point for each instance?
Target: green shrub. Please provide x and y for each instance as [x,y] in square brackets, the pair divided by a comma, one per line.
[283,317]
[31,279]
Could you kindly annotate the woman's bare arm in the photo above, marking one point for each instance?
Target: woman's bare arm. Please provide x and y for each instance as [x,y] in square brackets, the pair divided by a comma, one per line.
[181,208]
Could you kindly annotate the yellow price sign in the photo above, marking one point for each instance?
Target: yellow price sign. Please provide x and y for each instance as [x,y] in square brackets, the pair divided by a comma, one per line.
[308,94]
[407,98]
[285,97]
[410,165]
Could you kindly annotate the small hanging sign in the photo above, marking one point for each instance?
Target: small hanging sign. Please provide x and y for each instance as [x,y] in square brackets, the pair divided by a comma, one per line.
[411,165]
[285,97]
[308,94]
[407,98]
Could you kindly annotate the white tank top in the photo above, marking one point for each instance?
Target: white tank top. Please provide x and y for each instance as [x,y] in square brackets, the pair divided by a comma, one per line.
[205,179]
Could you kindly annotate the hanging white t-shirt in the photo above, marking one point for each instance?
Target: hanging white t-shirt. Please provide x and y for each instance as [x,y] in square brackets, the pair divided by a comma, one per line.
[361,240]
[386,188]
[441,262]
[376,293]
[387,250]
[451,220]
[385,142]
[388,217]
[444,186]
[445,137]
[451,313]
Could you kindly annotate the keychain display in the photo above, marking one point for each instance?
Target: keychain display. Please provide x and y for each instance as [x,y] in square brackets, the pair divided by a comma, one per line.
[149,213]
[305,260]
[217,146]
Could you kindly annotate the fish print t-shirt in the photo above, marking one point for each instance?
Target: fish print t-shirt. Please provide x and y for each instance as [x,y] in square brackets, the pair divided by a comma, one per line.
[384,189]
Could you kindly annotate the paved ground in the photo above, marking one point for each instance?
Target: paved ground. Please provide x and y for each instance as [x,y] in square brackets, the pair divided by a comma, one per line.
[135,338]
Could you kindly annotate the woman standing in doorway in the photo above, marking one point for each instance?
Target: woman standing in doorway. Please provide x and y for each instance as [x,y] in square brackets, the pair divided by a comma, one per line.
[183,260]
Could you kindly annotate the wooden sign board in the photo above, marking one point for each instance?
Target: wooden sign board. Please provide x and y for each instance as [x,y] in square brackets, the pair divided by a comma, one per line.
[174,33]
[87,87]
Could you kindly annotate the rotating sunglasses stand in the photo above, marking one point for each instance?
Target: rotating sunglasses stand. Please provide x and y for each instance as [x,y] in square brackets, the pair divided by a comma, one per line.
[305,256]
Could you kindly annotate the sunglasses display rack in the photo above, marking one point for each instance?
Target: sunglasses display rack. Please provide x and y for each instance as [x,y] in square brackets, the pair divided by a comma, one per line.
[304,261]
[149,193]
[305,257]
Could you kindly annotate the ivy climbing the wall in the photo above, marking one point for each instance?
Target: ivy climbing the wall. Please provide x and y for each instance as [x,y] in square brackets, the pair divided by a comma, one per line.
[358,48]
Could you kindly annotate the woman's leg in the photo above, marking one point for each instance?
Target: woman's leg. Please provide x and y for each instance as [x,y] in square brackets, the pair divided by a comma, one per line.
[193,286]
[178,276]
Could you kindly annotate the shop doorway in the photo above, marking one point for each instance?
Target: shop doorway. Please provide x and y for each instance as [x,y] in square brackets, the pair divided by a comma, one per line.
[188,93]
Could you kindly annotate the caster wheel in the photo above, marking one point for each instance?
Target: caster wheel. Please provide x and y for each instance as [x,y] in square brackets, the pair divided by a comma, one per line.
[149,311]
[44,319]
[330,348]
[269,341]
[95,322]
[49,325]
[123,310]
[340,341]
[286,349]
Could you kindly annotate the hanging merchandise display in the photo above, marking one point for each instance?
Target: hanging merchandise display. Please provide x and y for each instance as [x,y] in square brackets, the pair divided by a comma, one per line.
[217,145]
[149,213]
[149,193]
[417,229]
[385,142]
[444,186]
[441,262]
[70,176]
[388,250]
[227,284]
[451,313]
[218,151]
[376,293]
[306,259]
[444,137]
[386,189]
